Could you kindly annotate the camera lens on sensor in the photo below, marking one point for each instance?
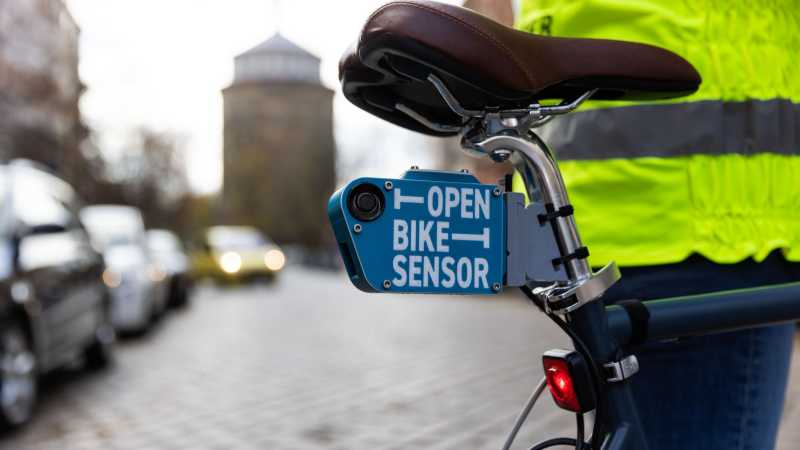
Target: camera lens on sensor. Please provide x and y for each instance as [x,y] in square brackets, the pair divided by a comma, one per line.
[365,202]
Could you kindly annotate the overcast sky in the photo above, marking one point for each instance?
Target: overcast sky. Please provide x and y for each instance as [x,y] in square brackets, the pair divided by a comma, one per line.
[162,63]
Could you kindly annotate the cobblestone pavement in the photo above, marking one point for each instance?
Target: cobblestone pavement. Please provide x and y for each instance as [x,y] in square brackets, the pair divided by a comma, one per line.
[308,363]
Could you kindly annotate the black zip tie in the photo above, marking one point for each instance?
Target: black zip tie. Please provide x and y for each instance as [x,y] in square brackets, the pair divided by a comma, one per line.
[552,214]
[579,253]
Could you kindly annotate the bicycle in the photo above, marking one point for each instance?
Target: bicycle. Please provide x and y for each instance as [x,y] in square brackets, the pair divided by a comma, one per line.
[446,71]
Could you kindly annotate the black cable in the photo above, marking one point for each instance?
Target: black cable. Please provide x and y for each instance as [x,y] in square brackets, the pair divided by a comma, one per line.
[579,433]
[598,380]
[554,443]
[580,346]
[584,351]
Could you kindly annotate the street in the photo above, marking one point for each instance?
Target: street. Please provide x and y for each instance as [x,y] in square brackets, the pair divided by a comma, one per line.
[309,362]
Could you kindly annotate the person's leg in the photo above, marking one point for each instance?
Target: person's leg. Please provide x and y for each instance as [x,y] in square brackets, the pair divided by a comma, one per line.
[710,392]
[714,392]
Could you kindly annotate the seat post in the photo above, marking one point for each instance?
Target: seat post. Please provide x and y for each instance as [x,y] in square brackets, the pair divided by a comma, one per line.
[543,182]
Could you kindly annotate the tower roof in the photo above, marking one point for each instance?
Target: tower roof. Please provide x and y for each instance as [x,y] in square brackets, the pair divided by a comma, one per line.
[277,44]
[277,59]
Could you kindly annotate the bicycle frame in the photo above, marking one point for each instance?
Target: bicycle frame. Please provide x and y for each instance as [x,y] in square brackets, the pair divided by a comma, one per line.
[717,312]
[606,331]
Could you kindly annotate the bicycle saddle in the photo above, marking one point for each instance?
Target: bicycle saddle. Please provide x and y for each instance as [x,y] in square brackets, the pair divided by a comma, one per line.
[487,65]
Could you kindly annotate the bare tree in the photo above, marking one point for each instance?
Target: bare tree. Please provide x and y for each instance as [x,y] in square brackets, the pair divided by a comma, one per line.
[152,176]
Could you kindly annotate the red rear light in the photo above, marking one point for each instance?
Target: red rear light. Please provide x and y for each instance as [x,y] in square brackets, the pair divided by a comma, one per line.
[569,380]
[560,383]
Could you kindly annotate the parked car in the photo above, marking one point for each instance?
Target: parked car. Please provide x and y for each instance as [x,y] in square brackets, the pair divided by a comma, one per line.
[138,284]
[237,253]
[54,307]
[167,251]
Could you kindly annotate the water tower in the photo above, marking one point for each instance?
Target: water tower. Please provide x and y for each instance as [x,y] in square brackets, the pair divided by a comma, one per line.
[279,154]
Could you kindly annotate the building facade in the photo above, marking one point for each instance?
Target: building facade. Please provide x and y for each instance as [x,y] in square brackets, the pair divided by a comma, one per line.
[279,153]
[39,83]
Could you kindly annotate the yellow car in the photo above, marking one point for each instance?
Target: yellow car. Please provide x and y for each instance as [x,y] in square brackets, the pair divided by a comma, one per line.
[237,253]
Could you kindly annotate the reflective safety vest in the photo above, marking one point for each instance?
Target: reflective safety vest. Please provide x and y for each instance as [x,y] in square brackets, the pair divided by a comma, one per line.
[717,173]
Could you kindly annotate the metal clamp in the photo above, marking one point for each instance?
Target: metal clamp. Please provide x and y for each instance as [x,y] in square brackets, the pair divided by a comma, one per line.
[583,291]
[593,288]
[622,369]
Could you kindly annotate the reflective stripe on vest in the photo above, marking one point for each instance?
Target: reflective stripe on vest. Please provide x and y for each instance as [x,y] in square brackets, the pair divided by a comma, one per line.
[679,129]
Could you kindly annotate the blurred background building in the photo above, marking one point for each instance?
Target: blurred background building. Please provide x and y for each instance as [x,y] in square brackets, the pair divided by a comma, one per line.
[39,84]
[40,119]
[279,155]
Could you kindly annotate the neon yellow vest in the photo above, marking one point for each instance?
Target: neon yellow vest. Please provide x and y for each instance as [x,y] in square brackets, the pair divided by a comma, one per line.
[717,173]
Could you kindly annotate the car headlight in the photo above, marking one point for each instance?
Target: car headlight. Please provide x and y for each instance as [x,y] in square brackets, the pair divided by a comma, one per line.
[274,260]
[111,278]
[230,262]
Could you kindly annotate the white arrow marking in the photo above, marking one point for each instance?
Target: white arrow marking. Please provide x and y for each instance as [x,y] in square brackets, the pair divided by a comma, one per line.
[399,199]
[483,237]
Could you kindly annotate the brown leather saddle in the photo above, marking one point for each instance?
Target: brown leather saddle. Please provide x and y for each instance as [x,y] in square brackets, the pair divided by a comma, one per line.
[489,66]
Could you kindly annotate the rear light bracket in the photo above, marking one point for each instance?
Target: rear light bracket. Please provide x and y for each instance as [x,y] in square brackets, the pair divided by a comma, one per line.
[621,370]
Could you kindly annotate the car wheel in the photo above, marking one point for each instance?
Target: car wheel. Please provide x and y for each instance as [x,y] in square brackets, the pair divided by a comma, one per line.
[179,293]
[100,353]
[155,309]
[18,377]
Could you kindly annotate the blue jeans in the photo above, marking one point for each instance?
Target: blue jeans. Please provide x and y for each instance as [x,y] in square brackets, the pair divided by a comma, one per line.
[714,392]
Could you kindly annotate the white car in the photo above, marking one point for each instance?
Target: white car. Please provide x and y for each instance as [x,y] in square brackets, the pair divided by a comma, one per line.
[137,284]
[167,251]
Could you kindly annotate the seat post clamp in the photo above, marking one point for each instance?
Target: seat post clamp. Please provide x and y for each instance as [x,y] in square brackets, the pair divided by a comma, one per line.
[564,299]
[622,369]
